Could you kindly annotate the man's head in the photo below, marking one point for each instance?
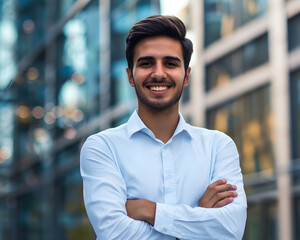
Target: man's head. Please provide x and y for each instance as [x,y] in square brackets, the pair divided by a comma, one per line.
[158,25]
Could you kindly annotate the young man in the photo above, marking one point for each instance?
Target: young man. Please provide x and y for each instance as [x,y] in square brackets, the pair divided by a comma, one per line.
[157,177]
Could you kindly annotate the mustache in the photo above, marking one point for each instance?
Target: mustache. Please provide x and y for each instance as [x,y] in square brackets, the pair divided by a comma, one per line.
[160,82]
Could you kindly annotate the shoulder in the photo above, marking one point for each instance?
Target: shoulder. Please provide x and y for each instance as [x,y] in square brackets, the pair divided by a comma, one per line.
[105,137]
[208,134]
[212,139]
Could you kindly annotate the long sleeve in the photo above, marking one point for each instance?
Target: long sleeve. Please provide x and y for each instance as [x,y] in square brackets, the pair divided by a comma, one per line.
[105,194]
[228,222]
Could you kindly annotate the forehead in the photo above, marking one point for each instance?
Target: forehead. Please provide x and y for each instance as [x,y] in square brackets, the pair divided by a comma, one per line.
[158,47]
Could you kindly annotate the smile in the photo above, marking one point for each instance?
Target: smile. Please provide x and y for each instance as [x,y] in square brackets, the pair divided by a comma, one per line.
[158,88]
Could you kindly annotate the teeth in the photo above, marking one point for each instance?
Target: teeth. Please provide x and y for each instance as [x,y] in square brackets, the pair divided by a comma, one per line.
[158,88]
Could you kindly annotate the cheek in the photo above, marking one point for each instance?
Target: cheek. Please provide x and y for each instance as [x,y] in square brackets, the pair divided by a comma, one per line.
[140,76]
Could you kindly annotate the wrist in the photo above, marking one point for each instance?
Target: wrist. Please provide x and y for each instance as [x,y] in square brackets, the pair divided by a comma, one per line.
[148,212]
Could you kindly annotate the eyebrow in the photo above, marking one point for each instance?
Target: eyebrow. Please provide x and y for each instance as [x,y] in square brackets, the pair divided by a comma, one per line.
[150,58]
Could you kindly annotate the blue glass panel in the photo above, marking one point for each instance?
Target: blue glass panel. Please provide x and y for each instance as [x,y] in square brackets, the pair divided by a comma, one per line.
[221,18]
[294,32]
[78,68]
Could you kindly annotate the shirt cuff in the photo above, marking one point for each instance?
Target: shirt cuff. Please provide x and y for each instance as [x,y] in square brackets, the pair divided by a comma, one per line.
[163,218]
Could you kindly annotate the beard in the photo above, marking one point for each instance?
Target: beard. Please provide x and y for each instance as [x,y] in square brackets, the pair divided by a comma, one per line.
[158,103]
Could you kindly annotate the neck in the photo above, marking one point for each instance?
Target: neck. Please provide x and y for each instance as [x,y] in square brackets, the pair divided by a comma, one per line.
[161,122]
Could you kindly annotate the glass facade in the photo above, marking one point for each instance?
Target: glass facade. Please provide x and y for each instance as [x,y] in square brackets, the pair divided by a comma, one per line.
[72,221]
[78,69]
[221,18]
[296,207]
[262,222]
[293,32]
[241,60]
[53,104]
[249,121]
[30,218]
[295,111]
[8,38]
[32,17]
[5,217]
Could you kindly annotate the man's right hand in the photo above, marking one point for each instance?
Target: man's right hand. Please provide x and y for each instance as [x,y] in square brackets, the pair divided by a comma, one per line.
[218,194]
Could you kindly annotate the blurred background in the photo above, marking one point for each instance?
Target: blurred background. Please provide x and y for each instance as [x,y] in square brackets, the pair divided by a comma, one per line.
[62,78]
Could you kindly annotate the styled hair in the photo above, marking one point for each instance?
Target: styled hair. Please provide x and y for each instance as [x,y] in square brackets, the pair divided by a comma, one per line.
[158,25]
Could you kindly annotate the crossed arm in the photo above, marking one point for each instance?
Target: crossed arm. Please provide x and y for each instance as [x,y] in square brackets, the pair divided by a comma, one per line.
[217,216]
[217,194]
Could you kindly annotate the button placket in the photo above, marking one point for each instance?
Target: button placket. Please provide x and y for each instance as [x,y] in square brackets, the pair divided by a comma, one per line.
[169,176]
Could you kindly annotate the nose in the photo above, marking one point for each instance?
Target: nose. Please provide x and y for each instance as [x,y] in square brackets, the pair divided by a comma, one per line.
[158,72]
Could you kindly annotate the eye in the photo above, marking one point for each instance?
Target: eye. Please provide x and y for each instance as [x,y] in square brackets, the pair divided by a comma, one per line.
[145,64]
[171,64]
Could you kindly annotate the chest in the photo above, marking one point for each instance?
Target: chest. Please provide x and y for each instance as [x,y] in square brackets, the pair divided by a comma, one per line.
[176,173]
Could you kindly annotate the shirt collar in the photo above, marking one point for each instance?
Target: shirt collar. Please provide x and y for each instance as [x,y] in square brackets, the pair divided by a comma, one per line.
[135,124]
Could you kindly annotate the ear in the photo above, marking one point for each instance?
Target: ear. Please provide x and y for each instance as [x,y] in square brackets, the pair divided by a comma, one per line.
[130,78]
[187,77]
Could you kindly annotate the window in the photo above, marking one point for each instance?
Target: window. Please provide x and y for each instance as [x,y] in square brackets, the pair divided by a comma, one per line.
[243,59]
[296,216]
[72,219]
[294,32]
[78,69]
[5,218]
[32,210]
[261,222]
[32,20]
[295,112]
[249,121]
[222,17]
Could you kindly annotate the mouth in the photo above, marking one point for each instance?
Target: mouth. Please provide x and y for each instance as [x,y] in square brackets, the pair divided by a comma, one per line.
[158,88]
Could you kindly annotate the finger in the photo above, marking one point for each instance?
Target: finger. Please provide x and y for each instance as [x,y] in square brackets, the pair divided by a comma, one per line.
[223,202]
[225,187]
[222,195]
[213,190]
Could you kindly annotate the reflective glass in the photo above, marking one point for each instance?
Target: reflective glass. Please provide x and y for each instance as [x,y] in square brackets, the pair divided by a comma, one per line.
[32,24]
[5,217]
[294,32]
[241,60]
[249,121]
[30,220]
[78,68]
[261,222]
[33,115]
[296,216]
[295,112]
[8,38]
[73,222]
[68,155]
[222,17]
[6,134]
[64,7]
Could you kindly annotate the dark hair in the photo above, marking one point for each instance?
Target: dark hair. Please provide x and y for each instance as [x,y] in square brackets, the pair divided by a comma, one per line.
[158,25]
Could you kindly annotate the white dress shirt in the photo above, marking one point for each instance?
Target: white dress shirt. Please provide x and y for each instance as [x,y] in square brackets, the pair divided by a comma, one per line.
[128,162]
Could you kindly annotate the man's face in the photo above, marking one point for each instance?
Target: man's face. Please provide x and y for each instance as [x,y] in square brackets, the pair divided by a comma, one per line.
[158,73]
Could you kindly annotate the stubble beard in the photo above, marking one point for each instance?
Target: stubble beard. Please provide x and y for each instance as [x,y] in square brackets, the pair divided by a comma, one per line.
[157,105]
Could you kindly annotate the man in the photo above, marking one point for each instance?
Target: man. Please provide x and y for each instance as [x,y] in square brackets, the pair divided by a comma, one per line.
[157,177]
